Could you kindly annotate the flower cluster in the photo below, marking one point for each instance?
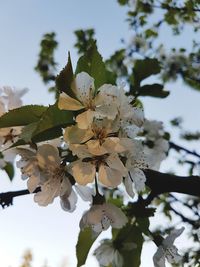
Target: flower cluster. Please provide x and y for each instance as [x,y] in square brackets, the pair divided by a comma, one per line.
[10,98]
[104,135]
[105,147]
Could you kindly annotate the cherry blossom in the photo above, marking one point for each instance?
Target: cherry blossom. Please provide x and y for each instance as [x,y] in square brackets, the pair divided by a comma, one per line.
[106,254]
[101,217]
[44,169]
[168,250]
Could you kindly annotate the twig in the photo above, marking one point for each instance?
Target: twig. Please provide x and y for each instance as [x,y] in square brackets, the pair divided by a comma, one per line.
[178,148]
[6,199]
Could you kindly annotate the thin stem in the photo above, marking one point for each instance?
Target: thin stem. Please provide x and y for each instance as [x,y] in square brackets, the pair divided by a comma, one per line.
[178,148]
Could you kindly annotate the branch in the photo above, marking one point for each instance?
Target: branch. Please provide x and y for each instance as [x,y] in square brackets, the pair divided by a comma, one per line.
[161,183]
[178,148]
[158,182]
[6,199]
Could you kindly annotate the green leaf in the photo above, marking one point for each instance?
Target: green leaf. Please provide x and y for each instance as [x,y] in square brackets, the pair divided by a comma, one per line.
[9,169]
[65,78]
[52,118]
[150,33]
[27,132]
[123,2]
[154,90]
[92,63]
[22,116]
[143,224]
[130,234]
[145,68]
[85,241]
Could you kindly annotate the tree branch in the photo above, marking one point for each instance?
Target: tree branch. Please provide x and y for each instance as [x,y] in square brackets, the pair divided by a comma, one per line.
[158,182]
[6,199]
[161,183]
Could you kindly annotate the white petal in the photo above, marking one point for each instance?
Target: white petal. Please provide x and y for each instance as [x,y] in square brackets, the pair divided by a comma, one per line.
[83,172]
[47,156]
[159,258]
[169,240]
[95,148]
[83,86]
[115,163]
[85,119]
[172,255]
[109,177]
[75,135]
[68,203]
[139,179]
[68,103]
[32,183]
[84,192]
[117,217]
[129,186]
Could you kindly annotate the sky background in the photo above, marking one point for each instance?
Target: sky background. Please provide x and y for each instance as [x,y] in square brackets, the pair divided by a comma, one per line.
[50,232]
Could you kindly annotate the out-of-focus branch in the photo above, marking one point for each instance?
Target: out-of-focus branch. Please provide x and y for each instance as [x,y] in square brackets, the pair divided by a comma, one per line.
[180,148]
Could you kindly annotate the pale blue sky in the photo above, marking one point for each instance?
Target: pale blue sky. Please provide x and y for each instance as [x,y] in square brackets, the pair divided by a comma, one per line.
[50,232]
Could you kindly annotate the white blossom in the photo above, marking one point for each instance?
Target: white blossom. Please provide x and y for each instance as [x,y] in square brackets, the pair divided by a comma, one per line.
[43,168]
[167,250]
[110,168]
[12,97]
[106,254]
[101,217]
[156,145]
[136,161]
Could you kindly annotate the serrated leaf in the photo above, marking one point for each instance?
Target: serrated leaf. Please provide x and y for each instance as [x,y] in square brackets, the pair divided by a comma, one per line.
[22,116]
[93,64]
[53,118]
[43,136]
[85,242]
[145,68]
[65,78]
[154,90]
[9,169]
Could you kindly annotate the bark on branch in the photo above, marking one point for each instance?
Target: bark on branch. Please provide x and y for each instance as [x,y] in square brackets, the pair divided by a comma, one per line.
[160,183]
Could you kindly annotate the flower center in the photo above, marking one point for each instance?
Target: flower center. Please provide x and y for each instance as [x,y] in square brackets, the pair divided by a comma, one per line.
[9,137]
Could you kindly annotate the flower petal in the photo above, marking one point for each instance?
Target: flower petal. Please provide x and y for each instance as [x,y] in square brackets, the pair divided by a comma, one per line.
[83,172]
[109,177]
[68,203]
[83,86]
[85,119]
[68,103]
[75,135]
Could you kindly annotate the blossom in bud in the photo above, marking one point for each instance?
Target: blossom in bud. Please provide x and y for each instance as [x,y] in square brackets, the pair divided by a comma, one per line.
[101,217]
[167,250]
